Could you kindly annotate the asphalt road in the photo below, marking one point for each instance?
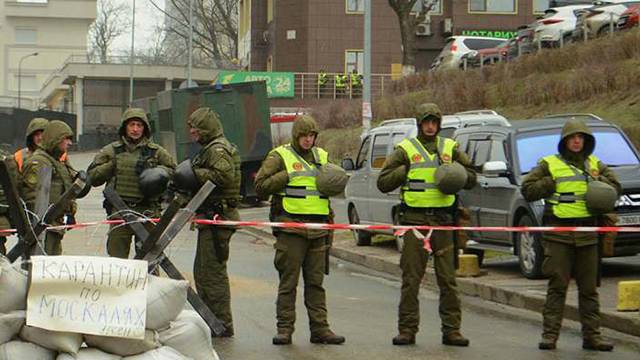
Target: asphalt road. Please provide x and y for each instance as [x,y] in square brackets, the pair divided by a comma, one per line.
[362,306]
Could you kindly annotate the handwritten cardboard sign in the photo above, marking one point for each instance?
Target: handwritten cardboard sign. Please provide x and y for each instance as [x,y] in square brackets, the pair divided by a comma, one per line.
[89,295]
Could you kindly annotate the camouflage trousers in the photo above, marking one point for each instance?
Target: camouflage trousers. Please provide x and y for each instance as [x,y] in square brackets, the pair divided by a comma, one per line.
[53,243]
[561,262]
[119,240]
[3,245]
[413,263]
[293,254]
[210,271]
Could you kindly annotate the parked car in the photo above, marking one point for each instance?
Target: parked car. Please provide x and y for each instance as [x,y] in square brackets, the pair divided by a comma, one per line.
[557,24]
[600,20]
[365,203]
[456,46]
[503,52]
[630,18]
[504,155]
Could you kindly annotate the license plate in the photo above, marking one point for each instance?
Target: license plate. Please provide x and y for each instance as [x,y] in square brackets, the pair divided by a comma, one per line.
[628,220]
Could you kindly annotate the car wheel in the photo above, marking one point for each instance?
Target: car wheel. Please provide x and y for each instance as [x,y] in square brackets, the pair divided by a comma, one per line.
[530,253]
[399,238]
[362,237]
[605,30]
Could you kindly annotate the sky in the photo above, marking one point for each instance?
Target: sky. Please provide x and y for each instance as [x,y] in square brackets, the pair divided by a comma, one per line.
[147,18]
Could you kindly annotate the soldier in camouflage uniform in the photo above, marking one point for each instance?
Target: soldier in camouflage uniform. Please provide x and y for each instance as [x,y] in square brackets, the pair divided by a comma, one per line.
[56,139]
[288,174]
[217,161]
[33,138]
[570,254]
[4,209]
[426,206]
[122,164]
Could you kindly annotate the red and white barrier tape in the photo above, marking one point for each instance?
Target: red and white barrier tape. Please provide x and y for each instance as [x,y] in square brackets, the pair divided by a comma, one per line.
[377,227]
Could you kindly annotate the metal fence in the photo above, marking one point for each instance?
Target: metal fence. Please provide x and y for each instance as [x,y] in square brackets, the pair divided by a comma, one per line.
[307,86]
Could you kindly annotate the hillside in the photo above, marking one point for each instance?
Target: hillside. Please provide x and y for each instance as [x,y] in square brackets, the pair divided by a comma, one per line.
[601,76]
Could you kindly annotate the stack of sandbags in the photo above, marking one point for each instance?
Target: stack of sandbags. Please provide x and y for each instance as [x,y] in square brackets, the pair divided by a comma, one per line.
[190,335]
[171,334]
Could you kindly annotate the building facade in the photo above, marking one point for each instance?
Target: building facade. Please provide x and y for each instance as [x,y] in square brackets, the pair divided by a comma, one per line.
[54,29]
[314,35]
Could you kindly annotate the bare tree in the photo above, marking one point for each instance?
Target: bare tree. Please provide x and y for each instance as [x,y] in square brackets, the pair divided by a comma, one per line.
[408,23]
[215,29]
[112,20]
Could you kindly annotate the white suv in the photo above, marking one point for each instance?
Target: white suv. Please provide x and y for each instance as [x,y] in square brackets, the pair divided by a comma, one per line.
[456,46]
[557,23]
[365,203]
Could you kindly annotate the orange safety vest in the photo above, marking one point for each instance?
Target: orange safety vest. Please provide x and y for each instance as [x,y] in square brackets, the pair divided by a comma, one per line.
[21,154]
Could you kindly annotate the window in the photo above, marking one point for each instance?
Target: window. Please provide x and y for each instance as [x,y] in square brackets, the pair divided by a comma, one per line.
[363,155]
[478,151]
[354,59]
[379,151]
[539,6]
[270,10]
[27,83]
[492,6]
[355,6]
[436,9]
[477,44]
[26,36]
[396,138]
[611,148]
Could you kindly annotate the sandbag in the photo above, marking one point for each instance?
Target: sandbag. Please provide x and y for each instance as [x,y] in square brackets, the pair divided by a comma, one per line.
[163,353]
[166,298]
[89,354]
[10,325]
[20,350]
[13,287]
[124,346]
[190,335]
[59,341]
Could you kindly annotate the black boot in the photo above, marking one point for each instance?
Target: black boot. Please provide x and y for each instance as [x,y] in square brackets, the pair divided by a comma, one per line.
[283,337]
[454,338]
[596,343]
[327,337]
[404,339]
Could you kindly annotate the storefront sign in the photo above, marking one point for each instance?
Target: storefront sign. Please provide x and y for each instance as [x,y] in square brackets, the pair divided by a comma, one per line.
[504,34]
[279,84]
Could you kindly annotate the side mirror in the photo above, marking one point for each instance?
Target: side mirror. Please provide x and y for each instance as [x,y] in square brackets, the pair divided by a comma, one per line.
[347,164]
[494,168]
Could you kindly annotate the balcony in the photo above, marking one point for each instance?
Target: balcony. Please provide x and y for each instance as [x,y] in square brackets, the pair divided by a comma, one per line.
[53,9]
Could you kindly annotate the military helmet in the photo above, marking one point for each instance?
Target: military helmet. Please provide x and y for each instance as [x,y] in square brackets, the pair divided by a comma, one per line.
[331,179]
[134,113]
[600,197]
[36,124]
[153,182]
[450,178]
[185,178]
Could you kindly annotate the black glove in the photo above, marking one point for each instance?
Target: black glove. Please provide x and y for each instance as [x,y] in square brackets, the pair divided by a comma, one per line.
[82,175]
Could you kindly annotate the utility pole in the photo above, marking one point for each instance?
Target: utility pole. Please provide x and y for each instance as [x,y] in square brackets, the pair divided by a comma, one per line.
[367,113]
[190,64]
[133,33]
[20,75]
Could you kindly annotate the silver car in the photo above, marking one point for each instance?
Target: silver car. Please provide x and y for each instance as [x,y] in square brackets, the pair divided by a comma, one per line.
[365,203]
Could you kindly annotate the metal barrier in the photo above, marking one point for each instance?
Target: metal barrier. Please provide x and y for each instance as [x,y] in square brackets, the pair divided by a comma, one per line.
[307,86]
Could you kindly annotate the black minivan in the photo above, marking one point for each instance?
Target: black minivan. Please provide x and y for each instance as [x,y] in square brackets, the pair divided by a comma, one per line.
[504,155]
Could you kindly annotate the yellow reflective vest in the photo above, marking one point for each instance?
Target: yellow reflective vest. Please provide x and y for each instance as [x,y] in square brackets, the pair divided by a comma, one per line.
[568,200]
[420,189]
[301,195]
